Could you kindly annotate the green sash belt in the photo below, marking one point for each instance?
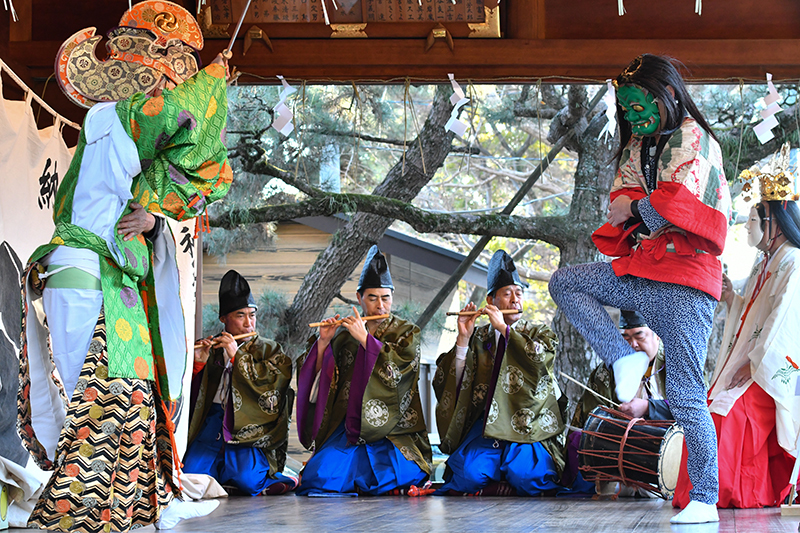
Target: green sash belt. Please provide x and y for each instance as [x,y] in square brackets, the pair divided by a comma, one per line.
[71,278]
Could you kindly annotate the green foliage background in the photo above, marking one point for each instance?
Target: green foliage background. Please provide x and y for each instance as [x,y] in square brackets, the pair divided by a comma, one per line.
[369,125]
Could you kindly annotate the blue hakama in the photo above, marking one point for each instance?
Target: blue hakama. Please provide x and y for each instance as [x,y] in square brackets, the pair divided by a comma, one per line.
[245,467]
[479,461]
[375,468]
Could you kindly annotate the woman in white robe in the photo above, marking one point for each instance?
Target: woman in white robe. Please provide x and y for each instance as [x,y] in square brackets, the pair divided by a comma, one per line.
[754,396]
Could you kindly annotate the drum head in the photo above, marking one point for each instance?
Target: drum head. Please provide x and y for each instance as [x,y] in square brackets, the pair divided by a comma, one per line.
[669,461]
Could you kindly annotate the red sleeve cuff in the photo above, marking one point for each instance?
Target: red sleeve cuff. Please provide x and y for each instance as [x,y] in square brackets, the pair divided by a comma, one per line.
[197,368]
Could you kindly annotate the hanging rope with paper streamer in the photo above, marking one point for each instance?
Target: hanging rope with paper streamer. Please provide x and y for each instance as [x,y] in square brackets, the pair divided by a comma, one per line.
[8,4]
[458,99]
[325,13]
[763,129]
[610,99]
[44,105]
[283,115]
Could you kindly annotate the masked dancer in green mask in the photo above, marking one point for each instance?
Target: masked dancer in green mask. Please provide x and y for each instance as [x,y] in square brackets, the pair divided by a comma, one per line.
[667,223]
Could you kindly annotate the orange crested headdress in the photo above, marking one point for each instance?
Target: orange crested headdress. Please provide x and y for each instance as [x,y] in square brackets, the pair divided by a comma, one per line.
[155,38]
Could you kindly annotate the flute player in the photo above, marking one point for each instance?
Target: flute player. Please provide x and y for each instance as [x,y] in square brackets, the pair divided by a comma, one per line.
[358,400]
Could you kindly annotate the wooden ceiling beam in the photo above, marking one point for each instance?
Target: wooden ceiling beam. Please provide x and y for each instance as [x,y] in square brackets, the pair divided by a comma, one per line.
[490,59]
[320,60]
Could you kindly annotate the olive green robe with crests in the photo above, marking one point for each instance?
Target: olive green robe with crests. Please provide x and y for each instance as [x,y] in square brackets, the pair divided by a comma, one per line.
[391,406]
[526,402]
[259,397]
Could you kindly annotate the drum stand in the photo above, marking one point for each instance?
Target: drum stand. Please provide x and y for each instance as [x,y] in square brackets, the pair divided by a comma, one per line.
[790,509]
[601,490]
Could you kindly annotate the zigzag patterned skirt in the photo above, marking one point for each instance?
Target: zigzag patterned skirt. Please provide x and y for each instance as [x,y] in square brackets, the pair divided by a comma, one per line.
[114,458]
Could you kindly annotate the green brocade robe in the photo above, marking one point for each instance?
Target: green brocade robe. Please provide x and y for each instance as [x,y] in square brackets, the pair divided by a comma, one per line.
[526,403]
[259,399]
[390,406]
[602,382]
[179,137]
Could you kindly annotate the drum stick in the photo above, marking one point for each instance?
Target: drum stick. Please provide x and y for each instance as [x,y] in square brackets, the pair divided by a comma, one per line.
[581,385]
[470,313]
[339,322]
[235,337]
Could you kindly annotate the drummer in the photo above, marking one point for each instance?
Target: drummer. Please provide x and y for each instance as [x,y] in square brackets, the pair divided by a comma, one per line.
[649,402]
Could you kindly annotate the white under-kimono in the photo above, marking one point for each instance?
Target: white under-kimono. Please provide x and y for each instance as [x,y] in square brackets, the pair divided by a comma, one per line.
[762,328]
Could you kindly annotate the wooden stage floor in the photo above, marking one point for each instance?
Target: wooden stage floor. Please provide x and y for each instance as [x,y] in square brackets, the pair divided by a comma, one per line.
[468,514]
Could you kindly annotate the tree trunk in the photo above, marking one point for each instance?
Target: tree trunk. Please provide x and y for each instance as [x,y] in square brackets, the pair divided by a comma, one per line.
[594,177]
[349,245]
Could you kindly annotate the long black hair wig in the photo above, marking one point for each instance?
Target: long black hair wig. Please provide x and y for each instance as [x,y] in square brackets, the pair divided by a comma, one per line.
[788,216]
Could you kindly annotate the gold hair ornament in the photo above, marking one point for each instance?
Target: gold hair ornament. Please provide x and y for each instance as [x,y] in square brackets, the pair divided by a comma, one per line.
[776,182]
[632,68]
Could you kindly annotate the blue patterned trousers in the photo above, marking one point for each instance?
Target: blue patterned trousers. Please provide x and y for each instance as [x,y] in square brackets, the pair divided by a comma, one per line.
[682,317]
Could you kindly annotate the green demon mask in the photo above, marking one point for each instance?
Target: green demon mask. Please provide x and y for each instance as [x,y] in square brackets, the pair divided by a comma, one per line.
[641,110]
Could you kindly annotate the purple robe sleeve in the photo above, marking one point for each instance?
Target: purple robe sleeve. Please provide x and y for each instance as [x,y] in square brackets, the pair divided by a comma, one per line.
[227,419]
[227,416]
[197,380]
[305,381]
[362,370]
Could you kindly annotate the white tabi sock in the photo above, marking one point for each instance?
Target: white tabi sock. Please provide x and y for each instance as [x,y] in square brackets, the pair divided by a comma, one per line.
[628,372]
[696,513]
[178,510]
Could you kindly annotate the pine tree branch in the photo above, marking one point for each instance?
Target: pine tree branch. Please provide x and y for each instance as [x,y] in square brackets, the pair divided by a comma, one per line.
[346,300]
[547,109]
[531,112]
[391,142]
[261,166]
[554,230]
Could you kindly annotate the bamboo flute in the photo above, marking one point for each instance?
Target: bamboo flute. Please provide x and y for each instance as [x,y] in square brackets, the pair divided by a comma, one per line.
[235,337]
[339,322]
[479,312]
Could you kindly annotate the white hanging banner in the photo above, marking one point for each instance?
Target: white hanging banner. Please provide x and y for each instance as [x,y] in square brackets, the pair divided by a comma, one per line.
[283,115]
[763,130]
[458,99]
[32,163]
[610,99]
[186,258]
